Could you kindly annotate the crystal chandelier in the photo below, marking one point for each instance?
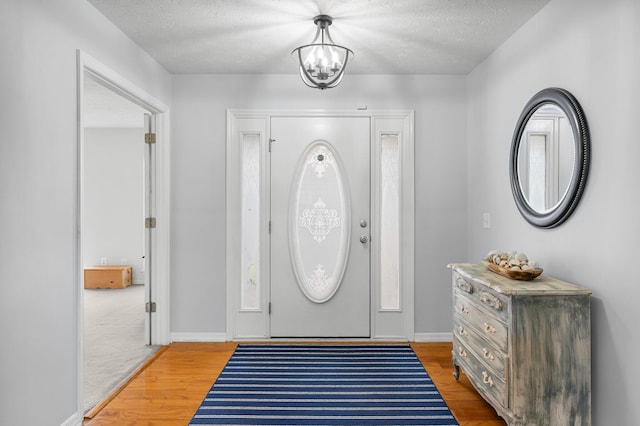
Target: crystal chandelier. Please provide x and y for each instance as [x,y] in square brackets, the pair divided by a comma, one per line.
[322,62]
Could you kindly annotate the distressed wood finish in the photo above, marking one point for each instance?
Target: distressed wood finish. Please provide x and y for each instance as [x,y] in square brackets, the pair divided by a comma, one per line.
[524,345]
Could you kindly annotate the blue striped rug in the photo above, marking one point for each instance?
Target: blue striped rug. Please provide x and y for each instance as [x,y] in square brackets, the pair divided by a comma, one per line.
[323,385]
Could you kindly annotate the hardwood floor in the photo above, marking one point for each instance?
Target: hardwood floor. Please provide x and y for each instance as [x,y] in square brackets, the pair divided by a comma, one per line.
[465,403]
[170,389]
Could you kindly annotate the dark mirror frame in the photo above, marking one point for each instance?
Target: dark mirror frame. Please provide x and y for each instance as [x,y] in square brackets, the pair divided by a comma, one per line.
[582,144]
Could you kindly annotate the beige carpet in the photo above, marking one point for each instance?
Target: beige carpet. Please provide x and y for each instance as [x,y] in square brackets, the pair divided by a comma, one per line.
[114,345]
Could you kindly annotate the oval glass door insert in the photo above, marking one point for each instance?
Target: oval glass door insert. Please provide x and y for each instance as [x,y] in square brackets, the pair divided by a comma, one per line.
[319,222]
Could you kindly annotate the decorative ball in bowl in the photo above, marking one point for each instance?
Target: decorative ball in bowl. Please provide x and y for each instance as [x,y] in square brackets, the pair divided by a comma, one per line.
[514,265]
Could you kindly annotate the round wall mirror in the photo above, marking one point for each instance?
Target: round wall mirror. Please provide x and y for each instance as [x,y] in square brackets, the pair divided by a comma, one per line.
[549,160]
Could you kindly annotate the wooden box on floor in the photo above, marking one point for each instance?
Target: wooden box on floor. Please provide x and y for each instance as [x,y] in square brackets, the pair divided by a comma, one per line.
[108,276]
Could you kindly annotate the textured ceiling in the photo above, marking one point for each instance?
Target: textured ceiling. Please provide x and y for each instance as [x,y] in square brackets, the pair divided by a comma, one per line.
[257,36]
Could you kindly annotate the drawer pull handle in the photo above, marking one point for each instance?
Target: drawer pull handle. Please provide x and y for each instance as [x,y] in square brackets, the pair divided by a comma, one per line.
[462,352]
[487,379]
[489,328]
[462,331]
[464,286]
[491,300]
[488,355]
[464,309]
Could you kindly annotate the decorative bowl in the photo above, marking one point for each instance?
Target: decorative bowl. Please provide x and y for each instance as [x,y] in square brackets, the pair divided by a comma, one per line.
[519,275]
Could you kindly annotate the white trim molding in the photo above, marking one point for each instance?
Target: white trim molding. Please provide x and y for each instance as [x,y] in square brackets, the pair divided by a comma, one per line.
[75,420]
[433,337]
[199,337]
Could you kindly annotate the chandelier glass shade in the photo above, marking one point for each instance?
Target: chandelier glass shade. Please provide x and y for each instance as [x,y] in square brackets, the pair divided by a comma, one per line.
[322,62]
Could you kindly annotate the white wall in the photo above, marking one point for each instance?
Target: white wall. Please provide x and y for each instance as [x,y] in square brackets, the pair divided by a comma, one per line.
[589,47]
[198,172]
[38,189]
[114,198]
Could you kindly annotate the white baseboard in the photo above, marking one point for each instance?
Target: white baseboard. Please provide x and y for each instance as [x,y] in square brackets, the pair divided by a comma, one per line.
[75,420]
[433,337]
[198,337]
[222,337]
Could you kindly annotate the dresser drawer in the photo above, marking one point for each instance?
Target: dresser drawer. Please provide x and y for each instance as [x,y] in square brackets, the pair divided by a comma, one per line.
[495,303]
[489,327]
[492,357]
[483,378]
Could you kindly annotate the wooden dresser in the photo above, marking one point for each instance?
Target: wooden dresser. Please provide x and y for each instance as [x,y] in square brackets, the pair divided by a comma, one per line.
[525,345]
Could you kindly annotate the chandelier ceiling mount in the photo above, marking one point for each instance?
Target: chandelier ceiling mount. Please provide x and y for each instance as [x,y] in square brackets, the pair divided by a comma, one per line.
[322,62]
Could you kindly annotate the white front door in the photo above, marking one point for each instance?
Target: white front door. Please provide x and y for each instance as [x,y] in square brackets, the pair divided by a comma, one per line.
[320,227]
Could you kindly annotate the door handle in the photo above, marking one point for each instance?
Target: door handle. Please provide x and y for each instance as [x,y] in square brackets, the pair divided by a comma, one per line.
[364,239]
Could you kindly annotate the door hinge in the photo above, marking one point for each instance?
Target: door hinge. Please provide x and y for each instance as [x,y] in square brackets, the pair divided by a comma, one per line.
[149,138]
[269,227]
[270,142]
[150,307]
[269,308]
[150,222]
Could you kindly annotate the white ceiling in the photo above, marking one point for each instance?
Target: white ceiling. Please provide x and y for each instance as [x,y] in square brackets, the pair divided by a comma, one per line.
[257,36]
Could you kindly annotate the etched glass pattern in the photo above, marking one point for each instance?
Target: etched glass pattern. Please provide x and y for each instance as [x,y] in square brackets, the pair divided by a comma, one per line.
[250,229]
[319,219]
[320,160]
[389,223]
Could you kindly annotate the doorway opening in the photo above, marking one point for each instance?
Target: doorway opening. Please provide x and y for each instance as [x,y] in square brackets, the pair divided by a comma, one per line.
[123,254]
[271,220]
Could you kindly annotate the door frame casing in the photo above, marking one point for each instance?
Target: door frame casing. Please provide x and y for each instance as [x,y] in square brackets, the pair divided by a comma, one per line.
[160,331]
[254,324]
